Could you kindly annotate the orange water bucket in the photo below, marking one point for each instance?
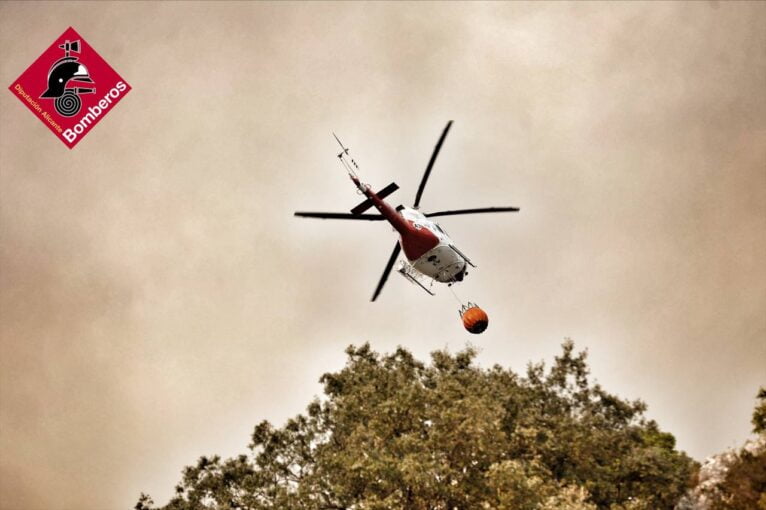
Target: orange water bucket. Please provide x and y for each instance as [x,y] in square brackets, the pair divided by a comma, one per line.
[475,320]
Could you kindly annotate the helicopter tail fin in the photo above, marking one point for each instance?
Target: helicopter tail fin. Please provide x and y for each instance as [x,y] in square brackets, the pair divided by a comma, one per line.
[359,209]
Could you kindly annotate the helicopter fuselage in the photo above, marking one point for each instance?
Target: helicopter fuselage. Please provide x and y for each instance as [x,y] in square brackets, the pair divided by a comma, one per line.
[441,261]
[428,248]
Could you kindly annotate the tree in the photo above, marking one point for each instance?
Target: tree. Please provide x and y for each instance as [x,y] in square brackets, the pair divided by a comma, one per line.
[759,414]
[392,432]
[744,485]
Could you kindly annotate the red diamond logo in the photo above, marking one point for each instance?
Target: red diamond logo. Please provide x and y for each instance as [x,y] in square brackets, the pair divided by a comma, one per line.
[70,88]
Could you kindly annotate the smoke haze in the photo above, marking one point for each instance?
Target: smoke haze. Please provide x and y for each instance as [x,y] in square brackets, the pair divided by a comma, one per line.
[158,298]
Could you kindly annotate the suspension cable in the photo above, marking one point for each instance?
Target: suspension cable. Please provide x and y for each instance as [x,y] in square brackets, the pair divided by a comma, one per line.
[452,290]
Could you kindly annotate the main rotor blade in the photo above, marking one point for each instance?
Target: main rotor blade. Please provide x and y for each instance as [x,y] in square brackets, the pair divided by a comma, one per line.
[472,211]
[430,165]
[340,216]
[386,271]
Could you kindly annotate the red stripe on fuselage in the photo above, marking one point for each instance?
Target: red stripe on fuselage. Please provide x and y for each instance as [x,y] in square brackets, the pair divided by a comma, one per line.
[415,241]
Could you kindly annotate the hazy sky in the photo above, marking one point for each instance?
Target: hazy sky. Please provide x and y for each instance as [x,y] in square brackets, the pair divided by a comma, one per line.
[158,298]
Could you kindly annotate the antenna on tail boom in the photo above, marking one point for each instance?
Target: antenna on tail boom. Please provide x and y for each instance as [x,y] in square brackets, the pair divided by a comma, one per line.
[349,164]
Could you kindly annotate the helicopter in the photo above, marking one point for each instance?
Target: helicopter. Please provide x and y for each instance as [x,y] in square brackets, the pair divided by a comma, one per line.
[429,251]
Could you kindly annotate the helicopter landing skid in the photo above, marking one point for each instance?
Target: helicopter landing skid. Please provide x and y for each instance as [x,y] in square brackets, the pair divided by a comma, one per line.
[406,274]
[462,255]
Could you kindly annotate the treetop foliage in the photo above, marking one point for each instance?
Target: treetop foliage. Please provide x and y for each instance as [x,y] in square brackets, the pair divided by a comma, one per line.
[759,414]
[392,432]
